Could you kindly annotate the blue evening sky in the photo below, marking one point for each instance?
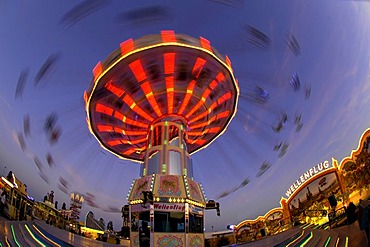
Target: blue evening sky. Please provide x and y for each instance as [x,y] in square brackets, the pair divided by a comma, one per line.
[333,61]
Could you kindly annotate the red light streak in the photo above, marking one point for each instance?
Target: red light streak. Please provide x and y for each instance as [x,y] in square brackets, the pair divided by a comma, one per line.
[138,110]
[228,62]
[109,128]
[114,143]
[199,104]
[220,100]
[223,114]
[170,94]
[214,130]
[104,128]
[146,88]
[169,63]
[195,133]
[200,116]
[150,96]
[189,92]
[213,84]
[98,69]
[103,109]
[124,119]
[131,103]
[168,36]
[205,44]
[220,77]
[202,124]
[130,151]
[224,97]
[138,70]
[115,90]
[201,133]
[122,141]
[127,46]
[169,68]
[218,116]
[129,132]
[199,142]
[133,142]
[109,111]
[199,63]
[85,96]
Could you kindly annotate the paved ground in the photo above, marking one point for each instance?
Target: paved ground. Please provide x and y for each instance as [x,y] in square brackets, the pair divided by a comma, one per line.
[349,235]
[38,233]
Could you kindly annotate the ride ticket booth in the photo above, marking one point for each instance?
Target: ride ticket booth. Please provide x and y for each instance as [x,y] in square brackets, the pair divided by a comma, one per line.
[174,216]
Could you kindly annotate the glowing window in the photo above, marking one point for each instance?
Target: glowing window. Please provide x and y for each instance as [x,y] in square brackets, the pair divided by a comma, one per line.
[153,163]
[169,221]
[174,142]
[175,162]
[157,136]
[190,166]
[195,223]
[173,132]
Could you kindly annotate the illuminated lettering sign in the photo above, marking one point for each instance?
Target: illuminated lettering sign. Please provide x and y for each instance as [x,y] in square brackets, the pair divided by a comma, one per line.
[196,210]
[174,207]
[307,175]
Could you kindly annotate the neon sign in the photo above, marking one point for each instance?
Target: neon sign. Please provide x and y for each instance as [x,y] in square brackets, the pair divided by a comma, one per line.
[170,207]
[307,175]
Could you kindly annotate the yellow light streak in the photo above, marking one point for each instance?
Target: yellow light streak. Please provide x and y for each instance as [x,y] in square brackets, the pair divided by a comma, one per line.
[295,240]
[33,236]
[45,236]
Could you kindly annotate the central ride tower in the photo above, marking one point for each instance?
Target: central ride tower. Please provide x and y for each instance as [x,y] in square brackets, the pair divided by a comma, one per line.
[157,100]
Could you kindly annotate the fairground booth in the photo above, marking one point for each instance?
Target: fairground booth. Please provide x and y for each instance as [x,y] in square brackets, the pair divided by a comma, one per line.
[17,204]
[319,196]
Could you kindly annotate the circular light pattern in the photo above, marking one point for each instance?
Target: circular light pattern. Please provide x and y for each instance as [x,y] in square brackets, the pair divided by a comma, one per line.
[155,78]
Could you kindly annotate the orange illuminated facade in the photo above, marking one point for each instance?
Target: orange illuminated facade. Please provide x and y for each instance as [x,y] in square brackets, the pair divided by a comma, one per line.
[307,199]
[355,170]
[271,223]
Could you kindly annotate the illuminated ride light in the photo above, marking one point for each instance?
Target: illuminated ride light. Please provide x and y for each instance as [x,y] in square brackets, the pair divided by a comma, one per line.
[45,237]
[327,242]
[7,182]
[307,239]
[159,78]
[296,238]
[34,237]
[14,237]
